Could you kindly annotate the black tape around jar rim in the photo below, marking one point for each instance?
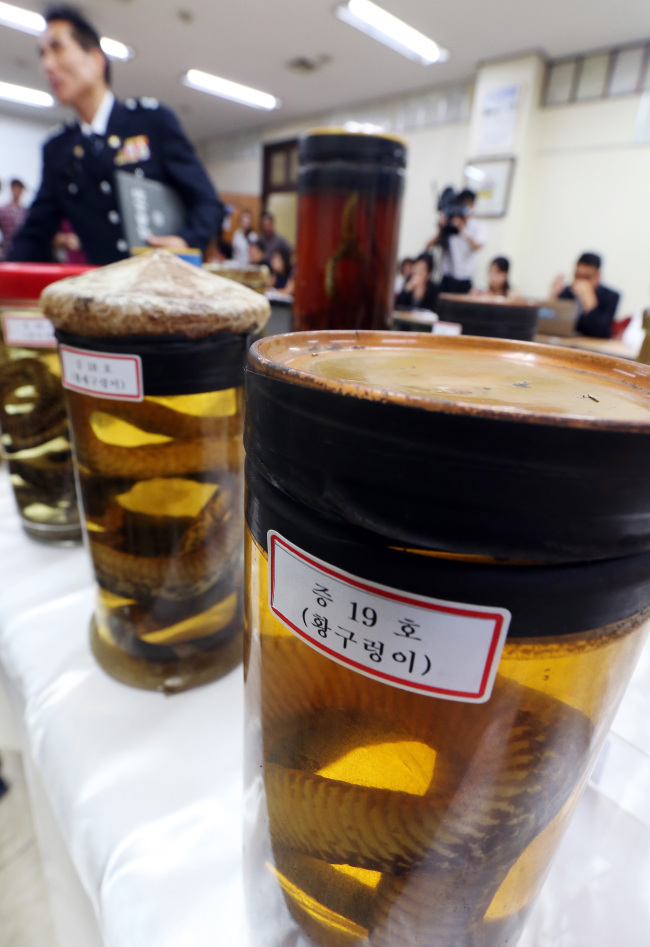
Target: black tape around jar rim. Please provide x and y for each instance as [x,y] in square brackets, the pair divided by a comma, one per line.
[174,364]
[545,601]
[450,482]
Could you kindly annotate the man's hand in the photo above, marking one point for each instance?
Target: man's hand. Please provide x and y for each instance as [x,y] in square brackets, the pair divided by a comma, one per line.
[171,242]
[557,286]
[584,291]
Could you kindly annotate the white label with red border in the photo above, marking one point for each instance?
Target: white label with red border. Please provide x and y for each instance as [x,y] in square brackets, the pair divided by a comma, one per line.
[29,332]
[117,377]
[449,650]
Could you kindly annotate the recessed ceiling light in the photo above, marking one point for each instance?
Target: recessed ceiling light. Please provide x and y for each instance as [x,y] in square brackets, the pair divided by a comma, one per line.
[226,89]
[391,31]
[25,96]
[29,22]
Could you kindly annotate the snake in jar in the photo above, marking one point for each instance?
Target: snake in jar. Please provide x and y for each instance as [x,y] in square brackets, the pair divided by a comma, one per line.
[200,446]
[44,418]
[500,777]
[204,552]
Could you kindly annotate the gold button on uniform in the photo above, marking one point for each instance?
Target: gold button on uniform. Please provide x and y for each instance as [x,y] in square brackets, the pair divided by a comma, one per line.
[114,141]
[78,151]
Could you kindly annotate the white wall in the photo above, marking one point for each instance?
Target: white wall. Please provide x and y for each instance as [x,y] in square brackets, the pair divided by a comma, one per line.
[21,142]
[436,157]
[589,189]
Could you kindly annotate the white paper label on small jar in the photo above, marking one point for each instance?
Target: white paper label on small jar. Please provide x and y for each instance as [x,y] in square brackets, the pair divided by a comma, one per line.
[29,332]
[433,647]
[117,377]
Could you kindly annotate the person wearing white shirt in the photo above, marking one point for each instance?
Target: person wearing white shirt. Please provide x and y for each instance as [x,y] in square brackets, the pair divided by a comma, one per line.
[459,248]
[241,238]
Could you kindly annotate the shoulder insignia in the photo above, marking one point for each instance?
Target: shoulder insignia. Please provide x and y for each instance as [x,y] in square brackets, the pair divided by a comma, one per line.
[149,103]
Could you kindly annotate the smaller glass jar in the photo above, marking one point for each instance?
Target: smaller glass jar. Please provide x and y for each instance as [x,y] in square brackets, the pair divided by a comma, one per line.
[350,189]
[152,351]
[32,411]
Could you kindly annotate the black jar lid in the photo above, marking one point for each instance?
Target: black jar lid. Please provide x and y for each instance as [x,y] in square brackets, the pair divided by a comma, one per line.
[340,144]
[466,445]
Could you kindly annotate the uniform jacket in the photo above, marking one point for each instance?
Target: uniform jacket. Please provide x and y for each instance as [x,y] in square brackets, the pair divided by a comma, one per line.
[142,137]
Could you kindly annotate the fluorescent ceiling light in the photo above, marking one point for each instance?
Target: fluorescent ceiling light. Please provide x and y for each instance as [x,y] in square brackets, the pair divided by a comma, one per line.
[389,30]
[226,89]
[19,93]
[29,22]
[19,19]
[116,50]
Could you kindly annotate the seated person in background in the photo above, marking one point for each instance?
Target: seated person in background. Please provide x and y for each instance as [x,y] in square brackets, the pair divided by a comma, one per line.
[498,284]
[240,238]
[597,304]
[256,254]
[269,239]
[281,273]
[402,276]
[419,292]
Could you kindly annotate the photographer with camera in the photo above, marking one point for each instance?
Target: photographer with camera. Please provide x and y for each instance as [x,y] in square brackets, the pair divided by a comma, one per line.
[459,237]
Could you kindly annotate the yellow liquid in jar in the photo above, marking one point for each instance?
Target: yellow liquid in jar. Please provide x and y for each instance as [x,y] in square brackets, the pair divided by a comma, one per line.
[395,818]
[161,485]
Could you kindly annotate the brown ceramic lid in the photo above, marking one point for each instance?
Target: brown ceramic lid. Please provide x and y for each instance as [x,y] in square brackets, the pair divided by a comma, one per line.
[154,294]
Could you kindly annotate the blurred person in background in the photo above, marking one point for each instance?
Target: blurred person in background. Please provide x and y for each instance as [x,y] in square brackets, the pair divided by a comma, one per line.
[460,236]
[80,160]
[498,283]
[240,238]
[597,304]
[271,241]
[12,217]
[403,274]
[281,272]
[419,292]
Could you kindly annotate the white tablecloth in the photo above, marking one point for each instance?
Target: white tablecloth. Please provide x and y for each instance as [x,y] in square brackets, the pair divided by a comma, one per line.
[146,790]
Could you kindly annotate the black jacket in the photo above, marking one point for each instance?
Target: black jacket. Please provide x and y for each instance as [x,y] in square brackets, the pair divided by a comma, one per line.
[598,321]
[78,183]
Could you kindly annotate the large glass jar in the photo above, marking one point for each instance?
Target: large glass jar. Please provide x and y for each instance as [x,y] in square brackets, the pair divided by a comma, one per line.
[422,710]
[350,187]
[32,413]
[156,422]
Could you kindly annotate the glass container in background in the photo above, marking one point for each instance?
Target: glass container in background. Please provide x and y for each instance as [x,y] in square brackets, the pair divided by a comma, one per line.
[440,623]
[156,421]
[350,189]
[32,412]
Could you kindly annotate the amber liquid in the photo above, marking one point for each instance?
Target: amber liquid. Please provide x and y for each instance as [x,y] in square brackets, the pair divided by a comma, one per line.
[346,253]
[161,490]
[382,817]
[36,443]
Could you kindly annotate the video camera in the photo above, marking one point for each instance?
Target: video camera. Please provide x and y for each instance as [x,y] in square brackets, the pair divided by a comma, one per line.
[451,206]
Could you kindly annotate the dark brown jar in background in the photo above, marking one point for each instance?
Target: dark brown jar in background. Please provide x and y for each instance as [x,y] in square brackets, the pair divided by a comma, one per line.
[350,189]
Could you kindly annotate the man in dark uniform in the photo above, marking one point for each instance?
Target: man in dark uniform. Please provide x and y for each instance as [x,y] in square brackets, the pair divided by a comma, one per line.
[597,304]
[80,160]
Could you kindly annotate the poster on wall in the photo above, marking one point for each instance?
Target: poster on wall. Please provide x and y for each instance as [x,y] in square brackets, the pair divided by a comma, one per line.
[497,120]
[491,180]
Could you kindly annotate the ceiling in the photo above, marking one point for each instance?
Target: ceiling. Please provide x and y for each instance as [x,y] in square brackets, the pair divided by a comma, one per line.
[252,41]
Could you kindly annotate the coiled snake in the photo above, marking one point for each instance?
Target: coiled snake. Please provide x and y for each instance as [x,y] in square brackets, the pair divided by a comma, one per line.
[163,567]
[500,777]
[32,416]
